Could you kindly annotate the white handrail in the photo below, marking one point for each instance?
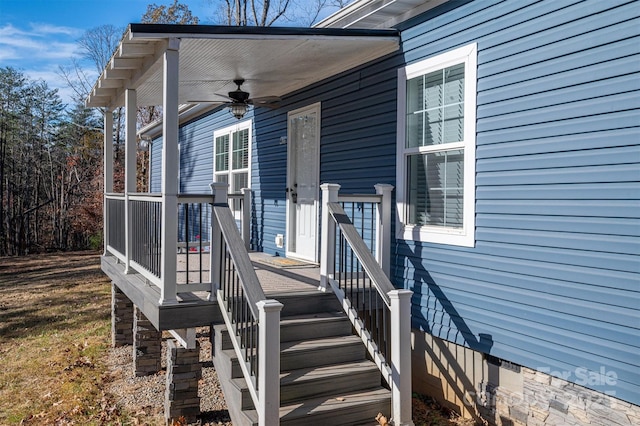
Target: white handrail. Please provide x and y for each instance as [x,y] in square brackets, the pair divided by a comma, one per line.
[265,391]
[396,368]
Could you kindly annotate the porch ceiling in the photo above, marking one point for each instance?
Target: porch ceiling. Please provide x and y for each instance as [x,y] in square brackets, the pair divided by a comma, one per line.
[273,61]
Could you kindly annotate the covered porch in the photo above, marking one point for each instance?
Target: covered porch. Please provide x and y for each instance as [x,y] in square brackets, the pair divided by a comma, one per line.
[183,260]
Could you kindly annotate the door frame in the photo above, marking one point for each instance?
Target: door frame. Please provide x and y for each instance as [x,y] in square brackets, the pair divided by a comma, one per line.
[290,234]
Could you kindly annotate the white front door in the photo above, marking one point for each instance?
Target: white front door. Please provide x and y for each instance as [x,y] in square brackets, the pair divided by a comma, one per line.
[303,140]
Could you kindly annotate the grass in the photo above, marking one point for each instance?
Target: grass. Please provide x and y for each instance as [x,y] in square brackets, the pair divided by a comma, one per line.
[54,338]
[54,335]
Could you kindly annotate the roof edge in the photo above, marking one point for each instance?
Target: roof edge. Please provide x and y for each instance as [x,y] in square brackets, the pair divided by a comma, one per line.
[200,31]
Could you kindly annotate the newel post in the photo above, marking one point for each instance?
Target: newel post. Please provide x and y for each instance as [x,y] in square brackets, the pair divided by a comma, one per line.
[328,234]
[219,192]
[269,362]
[246,217]
[401,357]
[383,228]
[130,163]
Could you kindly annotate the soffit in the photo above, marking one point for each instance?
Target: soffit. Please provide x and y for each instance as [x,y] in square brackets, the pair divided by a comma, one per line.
[273,61]
[377,13]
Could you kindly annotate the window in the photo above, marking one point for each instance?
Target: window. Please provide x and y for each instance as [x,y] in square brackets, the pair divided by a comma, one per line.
[232,147]
[436,148]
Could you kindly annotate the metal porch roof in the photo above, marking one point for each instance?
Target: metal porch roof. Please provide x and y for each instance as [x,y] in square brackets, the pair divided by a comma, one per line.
[273,61]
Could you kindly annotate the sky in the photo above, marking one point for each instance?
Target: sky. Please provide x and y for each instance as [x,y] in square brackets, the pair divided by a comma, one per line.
[37,36]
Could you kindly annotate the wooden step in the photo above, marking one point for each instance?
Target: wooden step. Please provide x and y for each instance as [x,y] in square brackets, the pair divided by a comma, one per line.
[314,326]
[309,326]
[314,382]
[317,352]
[307,353]
[302,303]
[353,408]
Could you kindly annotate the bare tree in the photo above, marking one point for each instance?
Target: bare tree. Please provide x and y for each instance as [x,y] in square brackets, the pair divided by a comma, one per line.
[265,13]
[262,13]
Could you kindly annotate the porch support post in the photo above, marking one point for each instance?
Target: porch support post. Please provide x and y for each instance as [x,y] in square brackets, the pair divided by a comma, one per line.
[269,363]
[184,371]
[170,170]
[147,345]
[108,173]
[131,112]
[327,235]
[219,191]
[121,318]
[401,357]
[246,218]
[383,228]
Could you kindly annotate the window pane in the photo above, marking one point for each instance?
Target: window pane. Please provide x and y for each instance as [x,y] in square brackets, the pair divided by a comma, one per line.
[223,178]
[453,126]
[433,134]
[240,180]
[435,108]
[222,153]
[241,149]
[435,189]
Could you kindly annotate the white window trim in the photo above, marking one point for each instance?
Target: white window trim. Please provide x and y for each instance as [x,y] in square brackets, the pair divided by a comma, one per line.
[460,237]
[247,124]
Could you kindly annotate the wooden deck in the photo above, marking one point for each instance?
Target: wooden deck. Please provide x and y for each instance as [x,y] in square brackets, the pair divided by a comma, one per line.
[276,274]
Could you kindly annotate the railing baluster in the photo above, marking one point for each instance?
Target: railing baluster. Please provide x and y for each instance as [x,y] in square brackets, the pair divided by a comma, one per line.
[185,212]
[200,233]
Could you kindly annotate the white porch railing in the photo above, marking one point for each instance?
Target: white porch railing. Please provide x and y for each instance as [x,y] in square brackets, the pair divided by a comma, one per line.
[380,314]
[252,320]
[139,246]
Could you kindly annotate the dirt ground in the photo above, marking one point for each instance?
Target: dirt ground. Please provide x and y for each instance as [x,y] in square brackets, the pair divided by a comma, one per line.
[59,368]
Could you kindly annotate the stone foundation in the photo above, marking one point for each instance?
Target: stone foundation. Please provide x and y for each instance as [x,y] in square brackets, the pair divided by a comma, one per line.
[121,318]
[147,346]
[548,400]
[497,392]
[183,373]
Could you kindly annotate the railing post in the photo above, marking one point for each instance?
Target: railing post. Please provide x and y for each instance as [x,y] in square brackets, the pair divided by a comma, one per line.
[246,218]
[383,228]
[108,173]
[130,148]
[170,171]
[269,363]
[328,234]
[219,191]
[401,357]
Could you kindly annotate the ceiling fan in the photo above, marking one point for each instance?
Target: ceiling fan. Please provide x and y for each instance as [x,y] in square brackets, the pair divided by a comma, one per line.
[239,100]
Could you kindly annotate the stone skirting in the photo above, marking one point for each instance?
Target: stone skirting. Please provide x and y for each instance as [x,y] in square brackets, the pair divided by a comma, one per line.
[183,373]
[548,400]
[121,318]
[147,346]
[497,392]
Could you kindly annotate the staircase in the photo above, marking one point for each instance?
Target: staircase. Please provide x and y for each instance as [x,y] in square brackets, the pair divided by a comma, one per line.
[325,376]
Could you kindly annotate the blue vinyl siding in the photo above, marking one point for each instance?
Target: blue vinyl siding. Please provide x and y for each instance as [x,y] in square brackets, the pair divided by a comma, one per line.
[553,282]
[554,277]
[155,167]
[269,179]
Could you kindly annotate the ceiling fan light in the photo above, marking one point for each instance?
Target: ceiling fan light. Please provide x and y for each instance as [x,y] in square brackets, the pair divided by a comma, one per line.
[238,109]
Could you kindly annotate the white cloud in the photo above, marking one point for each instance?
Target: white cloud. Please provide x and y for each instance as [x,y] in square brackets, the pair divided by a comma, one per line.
[55,29]
[54,81]
[42,42]
[38,50]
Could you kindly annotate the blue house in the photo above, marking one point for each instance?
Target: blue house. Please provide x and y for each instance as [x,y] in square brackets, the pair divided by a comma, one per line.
[510,134]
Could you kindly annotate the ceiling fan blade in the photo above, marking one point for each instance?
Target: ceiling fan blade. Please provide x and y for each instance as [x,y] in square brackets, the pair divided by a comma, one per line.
[265,101]
[196,101]
[225,97]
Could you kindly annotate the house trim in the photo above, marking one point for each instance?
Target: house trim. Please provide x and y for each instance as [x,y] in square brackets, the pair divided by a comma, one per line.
[442,235]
